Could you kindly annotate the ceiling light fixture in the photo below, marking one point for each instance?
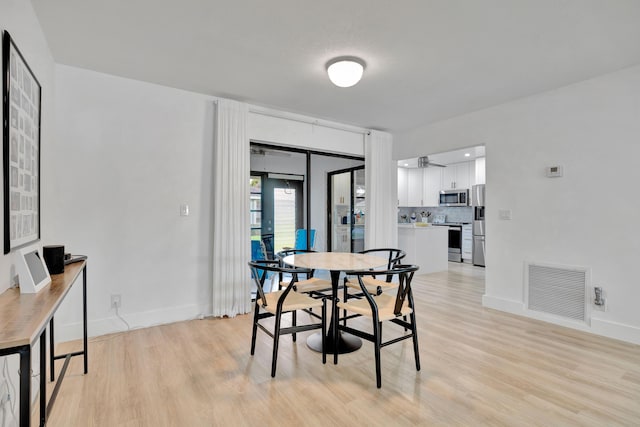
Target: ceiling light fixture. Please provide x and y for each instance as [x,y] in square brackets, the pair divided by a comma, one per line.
[345,71]
[467,154]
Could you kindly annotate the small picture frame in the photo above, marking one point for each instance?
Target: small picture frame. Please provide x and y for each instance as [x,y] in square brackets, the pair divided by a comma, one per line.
[21,96]
[33,274]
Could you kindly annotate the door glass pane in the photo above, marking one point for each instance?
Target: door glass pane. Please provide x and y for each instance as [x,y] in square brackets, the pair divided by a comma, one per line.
[284,213]
[255,206]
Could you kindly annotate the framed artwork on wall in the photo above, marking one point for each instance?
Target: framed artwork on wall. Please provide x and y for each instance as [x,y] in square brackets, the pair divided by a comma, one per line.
[21,96]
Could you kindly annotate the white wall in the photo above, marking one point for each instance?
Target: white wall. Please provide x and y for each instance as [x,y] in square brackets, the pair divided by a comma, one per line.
[128,154]
[587,218]
[294,130]
[19,19]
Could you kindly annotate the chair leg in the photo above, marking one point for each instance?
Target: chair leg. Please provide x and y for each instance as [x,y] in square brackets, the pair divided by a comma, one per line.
[255,329]
[377,333]
[414,330]
[344,298]
[276,340]
[334,325]
[323,324]
[293,323]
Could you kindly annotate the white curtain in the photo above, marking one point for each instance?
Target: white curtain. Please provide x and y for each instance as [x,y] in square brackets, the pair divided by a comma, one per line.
[381,229]
[231,235]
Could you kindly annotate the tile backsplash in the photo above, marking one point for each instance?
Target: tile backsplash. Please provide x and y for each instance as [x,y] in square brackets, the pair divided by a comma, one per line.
[454,214]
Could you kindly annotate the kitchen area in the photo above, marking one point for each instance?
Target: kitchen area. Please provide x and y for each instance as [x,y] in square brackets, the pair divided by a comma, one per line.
[444,193]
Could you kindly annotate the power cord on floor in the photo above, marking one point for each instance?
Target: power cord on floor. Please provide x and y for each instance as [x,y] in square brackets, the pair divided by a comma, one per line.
[122,318]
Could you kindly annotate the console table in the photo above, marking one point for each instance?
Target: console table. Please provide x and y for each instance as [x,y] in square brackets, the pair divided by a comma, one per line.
[23,320]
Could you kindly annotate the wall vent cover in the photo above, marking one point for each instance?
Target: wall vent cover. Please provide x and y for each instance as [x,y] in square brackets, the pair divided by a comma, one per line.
[560,291]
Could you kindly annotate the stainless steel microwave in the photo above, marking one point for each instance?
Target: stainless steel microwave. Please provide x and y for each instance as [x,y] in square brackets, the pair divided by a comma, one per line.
[454,198]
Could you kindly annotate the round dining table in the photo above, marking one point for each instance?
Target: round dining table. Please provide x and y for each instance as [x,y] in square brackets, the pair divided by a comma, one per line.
[335,263]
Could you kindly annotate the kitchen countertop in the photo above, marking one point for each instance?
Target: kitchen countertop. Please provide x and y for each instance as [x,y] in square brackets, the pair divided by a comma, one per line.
[417,225]
[429,225]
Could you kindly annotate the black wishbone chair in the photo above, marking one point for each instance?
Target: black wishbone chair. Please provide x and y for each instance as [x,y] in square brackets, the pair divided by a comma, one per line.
[311,285]
[381,308]
[375,284]
[275,304]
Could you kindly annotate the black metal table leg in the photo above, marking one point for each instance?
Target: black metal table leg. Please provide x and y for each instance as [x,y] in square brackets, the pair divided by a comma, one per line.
[25,386]
[84,319]
[52,345]
[43,378]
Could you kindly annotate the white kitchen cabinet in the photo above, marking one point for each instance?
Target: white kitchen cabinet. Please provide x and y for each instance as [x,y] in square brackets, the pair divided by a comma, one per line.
[431,185]
[457,176]
[480,171]
[414,187]
[342,189]
[340,240]
[467,243]
[403,188]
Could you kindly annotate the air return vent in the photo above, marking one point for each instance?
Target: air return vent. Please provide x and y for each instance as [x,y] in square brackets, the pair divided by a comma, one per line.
[560,291]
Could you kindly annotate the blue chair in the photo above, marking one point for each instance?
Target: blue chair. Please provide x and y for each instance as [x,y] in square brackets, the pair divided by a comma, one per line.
[301,239]
[256,250]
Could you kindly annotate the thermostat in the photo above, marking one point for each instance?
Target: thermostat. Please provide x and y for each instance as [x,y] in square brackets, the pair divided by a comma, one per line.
[554,171]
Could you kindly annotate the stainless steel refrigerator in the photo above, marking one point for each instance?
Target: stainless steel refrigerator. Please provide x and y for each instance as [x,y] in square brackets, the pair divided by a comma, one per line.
[477,201]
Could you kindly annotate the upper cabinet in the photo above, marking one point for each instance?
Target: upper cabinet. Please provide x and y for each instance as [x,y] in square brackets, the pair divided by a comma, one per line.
[431,185]
[480,170]
[414,186]
[418,187]
[342,188]
[458,176]
[403,187]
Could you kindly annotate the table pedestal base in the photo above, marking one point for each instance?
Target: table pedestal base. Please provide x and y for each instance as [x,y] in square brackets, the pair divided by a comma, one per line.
[346,343]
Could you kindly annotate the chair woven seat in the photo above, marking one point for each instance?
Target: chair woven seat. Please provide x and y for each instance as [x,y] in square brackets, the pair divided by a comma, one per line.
[384,302]
[372,284]
[293,301]
[312,284]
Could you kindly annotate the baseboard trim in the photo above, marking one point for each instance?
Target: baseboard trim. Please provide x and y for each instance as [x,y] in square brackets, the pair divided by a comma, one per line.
[601,327]
[616,330]
[510,306]
[112,324]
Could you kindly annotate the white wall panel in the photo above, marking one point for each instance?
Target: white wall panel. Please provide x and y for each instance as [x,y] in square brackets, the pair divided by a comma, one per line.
[587,217]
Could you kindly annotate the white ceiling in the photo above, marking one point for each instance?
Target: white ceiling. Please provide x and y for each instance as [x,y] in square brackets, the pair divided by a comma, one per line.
[448,157]
[427,60]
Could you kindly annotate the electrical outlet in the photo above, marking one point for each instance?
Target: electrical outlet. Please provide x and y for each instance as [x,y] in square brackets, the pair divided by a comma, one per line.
[116,301]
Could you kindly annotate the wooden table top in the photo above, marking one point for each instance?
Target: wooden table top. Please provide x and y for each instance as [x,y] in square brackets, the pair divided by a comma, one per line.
[24,316]
[336,261]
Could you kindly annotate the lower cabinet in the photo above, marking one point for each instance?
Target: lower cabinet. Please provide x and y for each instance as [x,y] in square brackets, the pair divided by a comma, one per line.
[467,243]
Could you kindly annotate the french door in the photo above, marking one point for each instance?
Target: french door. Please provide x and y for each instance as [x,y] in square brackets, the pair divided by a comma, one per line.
[278,210]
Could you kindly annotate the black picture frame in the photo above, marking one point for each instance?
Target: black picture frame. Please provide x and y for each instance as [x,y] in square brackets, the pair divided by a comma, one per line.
[21,106]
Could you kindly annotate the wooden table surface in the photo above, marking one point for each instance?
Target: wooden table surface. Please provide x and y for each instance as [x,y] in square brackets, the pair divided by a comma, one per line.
[23,316]
[335,261]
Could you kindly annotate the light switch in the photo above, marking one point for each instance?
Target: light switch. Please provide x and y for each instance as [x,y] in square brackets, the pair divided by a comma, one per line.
[505,213]
[184,210]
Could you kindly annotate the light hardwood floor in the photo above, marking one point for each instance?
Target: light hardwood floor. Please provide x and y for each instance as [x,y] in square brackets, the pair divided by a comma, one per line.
[479,367]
